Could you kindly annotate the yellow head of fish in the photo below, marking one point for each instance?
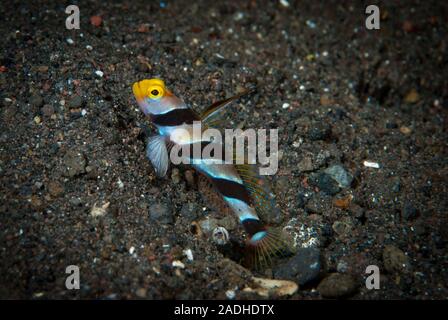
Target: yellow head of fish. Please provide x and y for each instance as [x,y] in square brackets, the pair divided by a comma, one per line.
[153,97]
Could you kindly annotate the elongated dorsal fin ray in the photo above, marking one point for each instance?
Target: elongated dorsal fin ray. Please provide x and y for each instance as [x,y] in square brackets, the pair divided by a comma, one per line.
[157,153]
[210,115]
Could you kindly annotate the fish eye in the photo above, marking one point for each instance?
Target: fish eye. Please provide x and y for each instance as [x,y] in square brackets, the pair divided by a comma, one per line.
[155,92]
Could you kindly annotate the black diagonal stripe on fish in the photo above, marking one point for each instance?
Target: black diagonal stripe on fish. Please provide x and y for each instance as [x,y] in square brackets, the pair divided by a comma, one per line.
[174,117]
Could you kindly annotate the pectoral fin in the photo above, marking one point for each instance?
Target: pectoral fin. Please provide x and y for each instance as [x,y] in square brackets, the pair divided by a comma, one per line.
[157,152]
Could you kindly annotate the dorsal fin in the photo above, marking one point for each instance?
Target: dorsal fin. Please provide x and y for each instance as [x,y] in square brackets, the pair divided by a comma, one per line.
[211,113]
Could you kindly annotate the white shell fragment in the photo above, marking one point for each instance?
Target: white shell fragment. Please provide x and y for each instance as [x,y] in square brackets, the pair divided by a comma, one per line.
[189,254]
[284,3]
[371,164]
[230,294]
[267,287]
[220,236]
[311,24]
[99,211]
[178,264]
[99,73]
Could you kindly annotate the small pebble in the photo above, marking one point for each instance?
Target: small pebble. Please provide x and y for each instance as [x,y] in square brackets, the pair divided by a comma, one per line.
[284,3]
[409,212]
[189,254]
[371,164]
[96,20]
[337,285]
[178,264]
[47,111]
[342,266]
[325,100]
[190,211]
[340,175]
[230,294]
[302,268]
[141,292]
[75,102]
[408,26]
[267,287]
[405,130]
[325,183]
[311,24]
[99,211]
[220,236]
[412,96]
[36,101]
[143,28]
[55,188]
[75,201]
[189,177]
[38,184]
[306,164]
[319,131]
[208,224]
[343,203]
[175,177]
[394,259]
[74,163]
[238,16]
[342,227]
[159,212]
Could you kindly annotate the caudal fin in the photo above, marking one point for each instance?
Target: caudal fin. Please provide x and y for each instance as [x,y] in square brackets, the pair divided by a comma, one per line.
[264,246]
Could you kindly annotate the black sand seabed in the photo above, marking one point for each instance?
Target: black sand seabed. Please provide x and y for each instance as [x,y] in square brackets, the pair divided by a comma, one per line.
[71,137]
